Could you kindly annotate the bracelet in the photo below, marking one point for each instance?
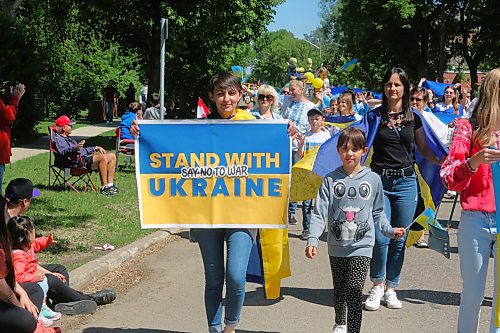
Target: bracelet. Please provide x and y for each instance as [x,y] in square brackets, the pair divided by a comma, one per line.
[470,167]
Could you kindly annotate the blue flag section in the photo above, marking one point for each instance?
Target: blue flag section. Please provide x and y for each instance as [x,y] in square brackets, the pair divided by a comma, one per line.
[436,87]
[495,170]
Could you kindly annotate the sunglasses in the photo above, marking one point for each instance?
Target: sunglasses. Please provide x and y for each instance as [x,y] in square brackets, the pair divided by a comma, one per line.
[449,92]
[268,97]
[285,92]
[415,99]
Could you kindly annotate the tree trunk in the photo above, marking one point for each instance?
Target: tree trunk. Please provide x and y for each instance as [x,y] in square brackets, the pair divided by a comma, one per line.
[10,6]
[442,36]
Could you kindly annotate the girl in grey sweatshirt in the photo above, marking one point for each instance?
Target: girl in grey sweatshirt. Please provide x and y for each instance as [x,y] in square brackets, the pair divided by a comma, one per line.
[351,202]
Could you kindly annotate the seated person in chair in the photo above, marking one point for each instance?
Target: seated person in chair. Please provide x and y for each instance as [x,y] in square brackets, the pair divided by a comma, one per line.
[133,112]
[71,154]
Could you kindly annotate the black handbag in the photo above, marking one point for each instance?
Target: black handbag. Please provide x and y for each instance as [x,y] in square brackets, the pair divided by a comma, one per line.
[439,238]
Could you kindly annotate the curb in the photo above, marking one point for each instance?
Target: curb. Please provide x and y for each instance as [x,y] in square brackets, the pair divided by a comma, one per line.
[88,273]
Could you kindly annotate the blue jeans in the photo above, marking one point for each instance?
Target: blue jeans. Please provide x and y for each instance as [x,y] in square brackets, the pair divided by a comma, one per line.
[400,202]
[476,241]
[239,245]
[2,170]
[306,214]
[110,107]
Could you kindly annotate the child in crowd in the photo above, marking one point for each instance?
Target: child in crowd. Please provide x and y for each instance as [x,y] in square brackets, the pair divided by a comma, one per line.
[308,142]
[351,200]
[27,269]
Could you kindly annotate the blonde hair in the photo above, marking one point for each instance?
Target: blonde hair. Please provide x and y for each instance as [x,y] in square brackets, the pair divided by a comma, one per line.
[268,90]
[486,114]
[323,72]
[348,100]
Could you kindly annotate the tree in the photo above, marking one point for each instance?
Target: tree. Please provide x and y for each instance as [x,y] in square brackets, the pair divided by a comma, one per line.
[273,51]
[419,36]
[479,32]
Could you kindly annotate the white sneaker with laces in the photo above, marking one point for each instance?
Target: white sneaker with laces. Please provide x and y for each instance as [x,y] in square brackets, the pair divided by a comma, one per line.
[339,328]
[372,303]
[392,300]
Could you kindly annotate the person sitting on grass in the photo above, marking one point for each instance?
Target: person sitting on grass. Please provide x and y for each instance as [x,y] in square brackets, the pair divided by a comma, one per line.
[26,267]
[73,154]
[18,196]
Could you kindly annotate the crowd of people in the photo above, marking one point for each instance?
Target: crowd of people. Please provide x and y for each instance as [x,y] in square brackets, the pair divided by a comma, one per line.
[366,210]
[33,296]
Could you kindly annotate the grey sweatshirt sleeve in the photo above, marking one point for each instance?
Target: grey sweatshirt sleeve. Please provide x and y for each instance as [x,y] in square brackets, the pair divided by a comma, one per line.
[379,218]
[320,213]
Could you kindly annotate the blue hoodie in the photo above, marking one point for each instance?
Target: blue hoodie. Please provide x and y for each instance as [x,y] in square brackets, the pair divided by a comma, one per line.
[353,208]
[127,119]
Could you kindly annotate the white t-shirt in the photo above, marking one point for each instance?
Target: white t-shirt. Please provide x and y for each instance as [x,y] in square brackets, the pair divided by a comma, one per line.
[314,140]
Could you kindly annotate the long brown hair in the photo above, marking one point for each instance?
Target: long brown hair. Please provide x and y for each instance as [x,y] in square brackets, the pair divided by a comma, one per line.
[407,112]
[485,117]
[6,246]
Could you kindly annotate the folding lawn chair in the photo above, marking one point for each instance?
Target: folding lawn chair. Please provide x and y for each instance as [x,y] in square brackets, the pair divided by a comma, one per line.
[64,177]
[125,146]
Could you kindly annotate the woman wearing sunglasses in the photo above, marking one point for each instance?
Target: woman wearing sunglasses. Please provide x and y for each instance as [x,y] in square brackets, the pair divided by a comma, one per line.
[267,103]
[418,99]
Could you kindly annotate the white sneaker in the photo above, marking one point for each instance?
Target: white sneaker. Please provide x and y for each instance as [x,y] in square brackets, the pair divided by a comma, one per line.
[339,328]
[392,300]
[373,301]
[46,321]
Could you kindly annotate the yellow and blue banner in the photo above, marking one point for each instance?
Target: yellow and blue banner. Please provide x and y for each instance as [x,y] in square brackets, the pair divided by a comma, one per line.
[213,174]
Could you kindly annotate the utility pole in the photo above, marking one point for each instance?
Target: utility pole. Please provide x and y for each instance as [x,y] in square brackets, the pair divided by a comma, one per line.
[163,38]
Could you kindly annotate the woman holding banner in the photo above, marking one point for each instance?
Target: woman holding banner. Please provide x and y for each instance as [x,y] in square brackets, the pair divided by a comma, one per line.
[467,169]
[399,131]
[225,91]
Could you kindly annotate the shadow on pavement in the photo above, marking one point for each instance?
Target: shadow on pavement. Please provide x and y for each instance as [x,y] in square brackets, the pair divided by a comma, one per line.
[316,296]
[432,296]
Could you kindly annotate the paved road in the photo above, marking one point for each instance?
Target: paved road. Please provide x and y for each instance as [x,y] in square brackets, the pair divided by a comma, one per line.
[167,296]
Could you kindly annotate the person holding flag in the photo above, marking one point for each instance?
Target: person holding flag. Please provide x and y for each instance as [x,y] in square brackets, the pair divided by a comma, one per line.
[475,146]
[399,130]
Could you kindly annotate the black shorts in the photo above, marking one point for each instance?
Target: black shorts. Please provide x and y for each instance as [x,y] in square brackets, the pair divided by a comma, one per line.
[87,162]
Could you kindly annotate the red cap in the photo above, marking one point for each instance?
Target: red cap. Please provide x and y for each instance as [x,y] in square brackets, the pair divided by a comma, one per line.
[64,120]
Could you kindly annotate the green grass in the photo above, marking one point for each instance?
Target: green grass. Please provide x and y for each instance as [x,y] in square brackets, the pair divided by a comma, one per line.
[41,127]
[81,221]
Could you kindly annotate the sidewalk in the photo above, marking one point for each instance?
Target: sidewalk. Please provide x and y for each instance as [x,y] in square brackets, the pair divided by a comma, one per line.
[41,144]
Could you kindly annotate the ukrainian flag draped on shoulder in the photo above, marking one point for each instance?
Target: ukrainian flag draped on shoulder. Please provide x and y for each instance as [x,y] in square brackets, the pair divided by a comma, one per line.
[307,174]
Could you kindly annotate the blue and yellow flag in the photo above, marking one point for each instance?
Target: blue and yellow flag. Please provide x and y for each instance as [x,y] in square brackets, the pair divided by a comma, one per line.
[307,174]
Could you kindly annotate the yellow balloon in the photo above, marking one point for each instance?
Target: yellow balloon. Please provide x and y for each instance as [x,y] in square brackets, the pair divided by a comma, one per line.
[309,76]
[317,83]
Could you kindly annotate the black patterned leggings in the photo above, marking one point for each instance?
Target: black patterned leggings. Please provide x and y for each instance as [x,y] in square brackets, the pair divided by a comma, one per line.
[349,275]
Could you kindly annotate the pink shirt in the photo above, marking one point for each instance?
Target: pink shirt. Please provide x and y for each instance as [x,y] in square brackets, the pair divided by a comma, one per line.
[475,187]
